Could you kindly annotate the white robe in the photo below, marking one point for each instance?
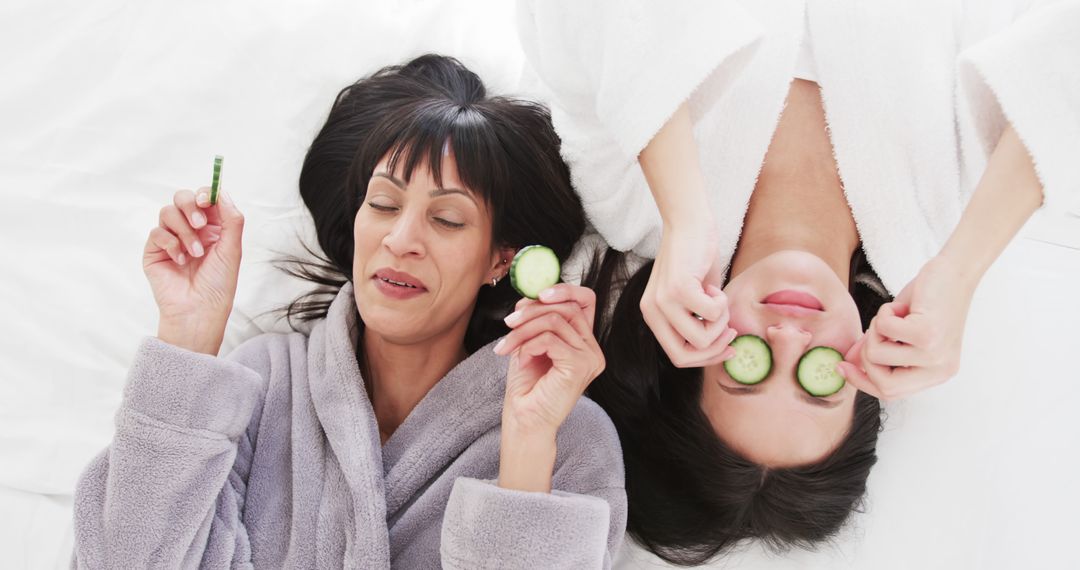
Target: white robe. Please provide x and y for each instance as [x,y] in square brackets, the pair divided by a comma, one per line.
[916,95]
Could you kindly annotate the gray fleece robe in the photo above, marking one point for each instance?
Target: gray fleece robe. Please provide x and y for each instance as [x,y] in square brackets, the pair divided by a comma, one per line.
[270,457]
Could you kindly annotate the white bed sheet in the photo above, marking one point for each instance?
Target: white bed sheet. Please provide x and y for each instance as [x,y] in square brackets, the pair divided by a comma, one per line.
[107,109]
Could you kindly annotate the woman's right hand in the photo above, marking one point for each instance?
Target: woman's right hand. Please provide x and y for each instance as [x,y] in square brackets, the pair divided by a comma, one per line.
[192,260]
[682,285]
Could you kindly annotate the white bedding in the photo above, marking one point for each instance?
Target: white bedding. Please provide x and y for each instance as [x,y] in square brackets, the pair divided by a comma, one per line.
[107,108]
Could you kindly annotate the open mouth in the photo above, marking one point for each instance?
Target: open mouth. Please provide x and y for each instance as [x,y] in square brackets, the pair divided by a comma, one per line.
[398,283]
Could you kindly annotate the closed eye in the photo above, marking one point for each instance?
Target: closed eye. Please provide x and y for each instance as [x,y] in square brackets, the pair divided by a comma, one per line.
[449,224]
[381,208]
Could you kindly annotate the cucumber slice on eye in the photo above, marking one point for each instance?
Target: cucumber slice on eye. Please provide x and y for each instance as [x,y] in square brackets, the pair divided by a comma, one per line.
[534,269]
[218,159]
[752,362]
[817,371]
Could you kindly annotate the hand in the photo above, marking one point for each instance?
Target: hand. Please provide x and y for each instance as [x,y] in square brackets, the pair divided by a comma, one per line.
[554,358]
[192,260]
[682,284]
[914,342]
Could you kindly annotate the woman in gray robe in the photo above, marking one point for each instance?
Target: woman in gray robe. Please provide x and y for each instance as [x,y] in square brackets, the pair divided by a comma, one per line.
[400,432]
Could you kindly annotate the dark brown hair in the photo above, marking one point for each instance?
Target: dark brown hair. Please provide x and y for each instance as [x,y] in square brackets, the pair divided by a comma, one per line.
[691,496]
[506,150]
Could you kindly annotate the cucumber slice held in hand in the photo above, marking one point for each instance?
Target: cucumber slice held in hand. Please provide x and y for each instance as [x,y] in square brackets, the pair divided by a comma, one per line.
[534,269]
[817,371]
[752,361]
[218,159]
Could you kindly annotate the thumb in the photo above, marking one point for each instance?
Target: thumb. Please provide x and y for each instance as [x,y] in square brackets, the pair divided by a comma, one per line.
[228,216]
[858,378]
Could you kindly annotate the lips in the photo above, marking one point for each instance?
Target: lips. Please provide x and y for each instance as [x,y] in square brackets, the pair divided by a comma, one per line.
[796,303]
[399,279]
[797,298]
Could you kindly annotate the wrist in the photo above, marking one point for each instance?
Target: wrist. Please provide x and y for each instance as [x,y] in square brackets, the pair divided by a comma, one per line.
[192,333]
[526,459]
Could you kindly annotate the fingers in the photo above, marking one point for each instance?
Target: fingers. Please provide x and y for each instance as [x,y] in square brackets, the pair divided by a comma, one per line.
[184,200]
[859,379]
[162,241]
[224,215]
[884,352]
[719,352]
[557,319]
[173,219]
[684,355]
[569,310]
[553,345]
[564,292]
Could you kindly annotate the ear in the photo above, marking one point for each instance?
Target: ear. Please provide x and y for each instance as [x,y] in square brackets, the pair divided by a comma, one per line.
[500,261]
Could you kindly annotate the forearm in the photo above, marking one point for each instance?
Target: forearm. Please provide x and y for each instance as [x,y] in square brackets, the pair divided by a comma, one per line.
[526,459]
[672,170]
[1008,193]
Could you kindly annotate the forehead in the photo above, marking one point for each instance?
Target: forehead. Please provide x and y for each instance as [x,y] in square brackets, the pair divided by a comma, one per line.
[774,428]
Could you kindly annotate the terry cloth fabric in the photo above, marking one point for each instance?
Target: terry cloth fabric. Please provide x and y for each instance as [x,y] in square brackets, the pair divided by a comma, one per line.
[270,457]
[916,95]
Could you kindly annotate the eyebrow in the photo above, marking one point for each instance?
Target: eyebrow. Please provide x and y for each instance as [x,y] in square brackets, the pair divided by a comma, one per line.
[435,193]
[750,390]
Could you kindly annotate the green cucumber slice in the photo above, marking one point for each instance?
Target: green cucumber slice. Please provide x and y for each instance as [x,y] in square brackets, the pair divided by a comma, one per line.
[534,269]
[752,362]
[218,159]
[817,371]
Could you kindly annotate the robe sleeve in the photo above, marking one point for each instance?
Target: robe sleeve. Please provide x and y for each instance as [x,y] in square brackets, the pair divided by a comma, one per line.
[169,490]
[613,72]
[1029,75]
[580,524]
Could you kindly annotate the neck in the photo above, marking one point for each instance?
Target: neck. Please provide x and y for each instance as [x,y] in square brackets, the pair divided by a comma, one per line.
[798,202]
[398,376]
[825,230]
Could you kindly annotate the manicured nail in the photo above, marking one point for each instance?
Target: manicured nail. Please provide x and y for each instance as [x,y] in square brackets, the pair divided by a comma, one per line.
[512,319]
[181,259]
[196,249]
[202,199]
[499,345]
[198,220]
[547,294]
[728,354]
[840,371]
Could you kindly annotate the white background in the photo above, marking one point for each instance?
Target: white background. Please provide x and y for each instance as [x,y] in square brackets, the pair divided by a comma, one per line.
[106,109]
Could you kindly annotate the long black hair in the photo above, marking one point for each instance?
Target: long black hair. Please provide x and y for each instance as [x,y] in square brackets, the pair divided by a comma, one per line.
[691,496]
[506,150]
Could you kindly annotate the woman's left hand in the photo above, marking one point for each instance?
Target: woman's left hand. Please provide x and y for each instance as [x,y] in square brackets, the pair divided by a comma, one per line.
[554,358]
[913,343]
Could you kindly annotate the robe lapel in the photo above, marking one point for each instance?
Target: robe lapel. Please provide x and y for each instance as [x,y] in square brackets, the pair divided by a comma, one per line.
[460,408]
[347,418]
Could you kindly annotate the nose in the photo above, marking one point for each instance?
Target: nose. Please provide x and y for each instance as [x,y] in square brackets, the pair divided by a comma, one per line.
[406,237]
[788,337]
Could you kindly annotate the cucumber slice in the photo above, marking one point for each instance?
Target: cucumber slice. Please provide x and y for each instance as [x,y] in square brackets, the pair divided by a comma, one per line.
[534,269]
[218,159]
[752,362]
[817,371]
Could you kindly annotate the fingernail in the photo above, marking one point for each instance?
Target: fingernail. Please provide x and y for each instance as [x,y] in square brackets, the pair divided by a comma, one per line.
[840,371]
[196,249]
[198,220]
[547,294]
[499,345]
[728,354]
[512,319]
[181,259]
[202,199]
